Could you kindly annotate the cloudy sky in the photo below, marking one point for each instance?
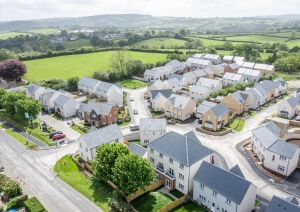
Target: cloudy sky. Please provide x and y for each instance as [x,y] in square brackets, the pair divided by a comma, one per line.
[37,9]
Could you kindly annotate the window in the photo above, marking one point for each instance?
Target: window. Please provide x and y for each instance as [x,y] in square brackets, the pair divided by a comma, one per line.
[80,145]
[171,160]
[152,160]
[115,112]
[201,186]
[208,125]
[181,176]
[161,166]
[161,155]
[273,157]
[214,193]
[171,171]
[86,149]
[152,150]
[181,186]
[146,141]
[81,155]
[202,198]
[181,166]
[281,168]
[94,115]
[228,201]
[282,158]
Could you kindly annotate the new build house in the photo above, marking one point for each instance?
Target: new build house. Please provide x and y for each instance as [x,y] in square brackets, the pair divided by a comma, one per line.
[191,78]
[181,79]
[231,68]
[222,190]
[47,98]
[230,79]
[254,98]
[227,59]
[250,74]
[151,129]
[215,118]
[66,106]
[199,92]
[237,102]
[159,98]
[215,59]
[289,204]
[157,85]
[176,158]
[203,107]
[288,108]
[88,85]
[212,84]
[274,153]
[174,84]
[111,92]
[34,91]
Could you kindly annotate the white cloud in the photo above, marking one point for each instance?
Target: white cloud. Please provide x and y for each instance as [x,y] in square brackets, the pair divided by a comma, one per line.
[36,9]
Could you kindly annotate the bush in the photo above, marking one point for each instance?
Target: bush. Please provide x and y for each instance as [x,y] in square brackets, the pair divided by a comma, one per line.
[12,189]
[127,119]
[17,202]
[120,121]
[87,124]
[118,204]
[33,205]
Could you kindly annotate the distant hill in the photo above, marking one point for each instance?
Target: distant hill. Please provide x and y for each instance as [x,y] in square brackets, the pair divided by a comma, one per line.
[165,23]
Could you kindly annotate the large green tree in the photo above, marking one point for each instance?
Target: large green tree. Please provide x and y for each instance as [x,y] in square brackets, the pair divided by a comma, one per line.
[132,172]
[6,54]
[119,61]
[72,83]
[289,64]
[2,94]
[30,106]
[9,101]
[247,51]
[12,189]
[105,159]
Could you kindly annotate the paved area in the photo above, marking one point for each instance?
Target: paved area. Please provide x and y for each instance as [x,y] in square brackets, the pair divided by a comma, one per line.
[262,205]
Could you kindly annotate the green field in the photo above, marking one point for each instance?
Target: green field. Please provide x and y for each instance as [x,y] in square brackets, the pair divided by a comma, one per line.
[65,67]
[7,35]
[77,44]
[156,43]
[257,38]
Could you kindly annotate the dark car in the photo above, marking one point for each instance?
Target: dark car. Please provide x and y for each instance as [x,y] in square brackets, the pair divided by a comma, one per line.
[58,136]
[54,133]
[134,127]
[135,111]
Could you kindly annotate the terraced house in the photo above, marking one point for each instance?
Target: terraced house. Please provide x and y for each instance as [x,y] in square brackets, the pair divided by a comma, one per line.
[237,102]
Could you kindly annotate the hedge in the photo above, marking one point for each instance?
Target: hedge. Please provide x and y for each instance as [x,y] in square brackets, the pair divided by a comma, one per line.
[17,202]
[34,205]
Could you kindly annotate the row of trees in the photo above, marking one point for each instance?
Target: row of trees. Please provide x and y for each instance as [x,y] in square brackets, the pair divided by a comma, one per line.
[17,104]
[236,87]
[128,171]
[56,84]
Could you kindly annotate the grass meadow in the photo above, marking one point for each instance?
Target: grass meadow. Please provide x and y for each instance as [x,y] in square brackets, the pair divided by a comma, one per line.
[77,44]
[6,35]
[156,43]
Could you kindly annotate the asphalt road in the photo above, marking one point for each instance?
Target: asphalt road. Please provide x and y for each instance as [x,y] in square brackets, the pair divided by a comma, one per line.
[40,180]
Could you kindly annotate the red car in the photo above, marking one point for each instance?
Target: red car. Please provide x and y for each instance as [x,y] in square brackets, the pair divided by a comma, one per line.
[58,136]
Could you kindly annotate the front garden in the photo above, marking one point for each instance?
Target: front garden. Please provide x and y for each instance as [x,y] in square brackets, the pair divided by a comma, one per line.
[237,124]
[132,83]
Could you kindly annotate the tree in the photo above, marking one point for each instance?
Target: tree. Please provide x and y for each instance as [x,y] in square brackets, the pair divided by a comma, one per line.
[293,35]
[101,75]
[30,106]
[107,154]
[122,43]
[59,47]
[247,51]
[177,36]
[182,32]
[118,62]
[6,54]
[2,94]
[94,40]
[295,49]
[72,83]
[9,101]
[12,189]
[282,47]
[132,172]
[12,69]
[228,46]
[289,64]
[212,51]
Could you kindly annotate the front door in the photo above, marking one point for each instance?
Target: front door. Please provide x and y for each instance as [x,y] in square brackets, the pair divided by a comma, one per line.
[168,183]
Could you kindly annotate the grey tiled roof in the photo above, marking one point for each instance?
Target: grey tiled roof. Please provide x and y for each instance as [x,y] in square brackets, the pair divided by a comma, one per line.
[191,135]
[62,99]
[280,205]
[273,127]
[219,110]
[32,88]
[198,89]
[166,93]
[237,171]
[48,93]
[180,148]
[203,108]
[284,148]
[88,82]
[103,135]
[223,182]
[177,100]
[240,97]
[253,93]
[292,101]
[260,89]
[292,199]
[153,124]
[99,107]
[104,86]
[208,103]
[177,76]
[159,84]
[137,149]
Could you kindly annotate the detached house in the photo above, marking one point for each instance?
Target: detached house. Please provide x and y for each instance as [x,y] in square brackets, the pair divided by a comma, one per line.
[47,98]
[274,153]
[288,108]
[176,66]
[250,74]
[265,95]
[237,102]
[65,106]
[191,78]
[222,190]
[203,107]
[212,84]
[215,59]
[283,87]
[215,118]
[88,85]
[176,158]
[254,98]
[289,204]
[159,98]
[230,79]
[180,107]
[199,92]
[151,129]
[157,85]
[99,113]
[88,143]
[151,75]
[112,92]
[218,69]
[34,91]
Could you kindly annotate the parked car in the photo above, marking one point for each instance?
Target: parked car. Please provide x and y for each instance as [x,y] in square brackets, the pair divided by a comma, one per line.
[54,133]
[298,118]
[2,169]
[58,136]
[134,127]
[135,111]
[131,98]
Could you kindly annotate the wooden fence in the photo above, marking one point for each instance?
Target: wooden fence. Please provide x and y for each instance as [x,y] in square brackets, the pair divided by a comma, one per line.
[88,167]
[173,204]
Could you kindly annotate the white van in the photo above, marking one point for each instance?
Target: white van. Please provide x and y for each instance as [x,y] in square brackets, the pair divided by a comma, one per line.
[131,98]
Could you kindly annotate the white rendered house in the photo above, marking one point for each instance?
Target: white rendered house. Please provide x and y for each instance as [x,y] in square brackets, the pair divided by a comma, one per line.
[151,129]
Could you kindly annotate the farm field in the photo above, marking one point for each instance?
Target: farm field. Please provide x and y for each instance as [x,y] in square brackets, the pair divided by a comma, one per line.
[64,67]
[157,42]
[77,44]
[257,38]
[7,35]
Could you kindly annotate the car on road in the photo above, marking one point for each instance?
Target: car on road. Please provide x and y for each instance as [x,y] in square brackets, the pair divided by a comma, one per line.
[131,98]
[135,111]
[298,118]
[58,136]
[54,133]
[134,127]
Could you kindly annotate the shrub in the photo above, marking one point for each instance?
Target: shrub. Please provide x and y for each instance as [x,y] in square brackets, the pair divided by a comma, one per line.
[127,119]
[17,202]
[33,205]
[120,121]
[117,204]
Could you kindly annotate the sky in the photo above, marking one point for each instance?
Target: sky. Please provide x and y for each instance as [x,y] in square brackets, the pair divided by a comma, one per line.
[38,9]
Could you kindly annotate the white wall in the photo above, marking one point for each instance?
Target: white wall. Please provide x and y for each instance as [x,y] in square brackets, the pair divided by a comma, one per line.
[150,135]
[200,96]
[286,107]
[248,201]
[159,104]
[116,97]
[194,168]
[70,108]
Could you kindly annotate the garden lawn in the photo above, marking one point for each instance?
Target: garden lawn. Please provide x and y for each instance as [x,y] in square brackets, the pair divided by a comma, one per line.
[237,125]
[34,205]
[156,113]
[151,201]
[124,123]
[176,193]
[189,207]
[132,83]
[234,124]
[77,129]
[241,125]
[64,67]
[71,175]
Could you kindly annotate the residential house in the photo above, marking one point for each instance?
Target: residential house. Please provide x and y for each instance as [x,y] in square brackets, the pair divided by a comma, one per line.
[200,73]
[231,68]
[151,75]
[89,142]
[47,98]
[164,72]
[199,63]
[198,56]
[248,65]
[289,204]
[288,108]
[297,95]
[237,102]
[112,92]
[230,79]
[237,58]
[157,85]
[151,129]
[173,84]
[180,107]
[88,85]
[240,63]
[283,87]
[212,84]
[275,86]
[99,113]
[218,69]
[209,72]
[274,153]
[215,59]
[264,68]
[138,150]
[254,98]
[159,98]
[176,66]
[250,74]
[199,92]
[266,89]
[203,107]
[222,190]
[227,59]
[181,78]
[216,117]
[34,91]
[65,106]
[191,78]
[176,158]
